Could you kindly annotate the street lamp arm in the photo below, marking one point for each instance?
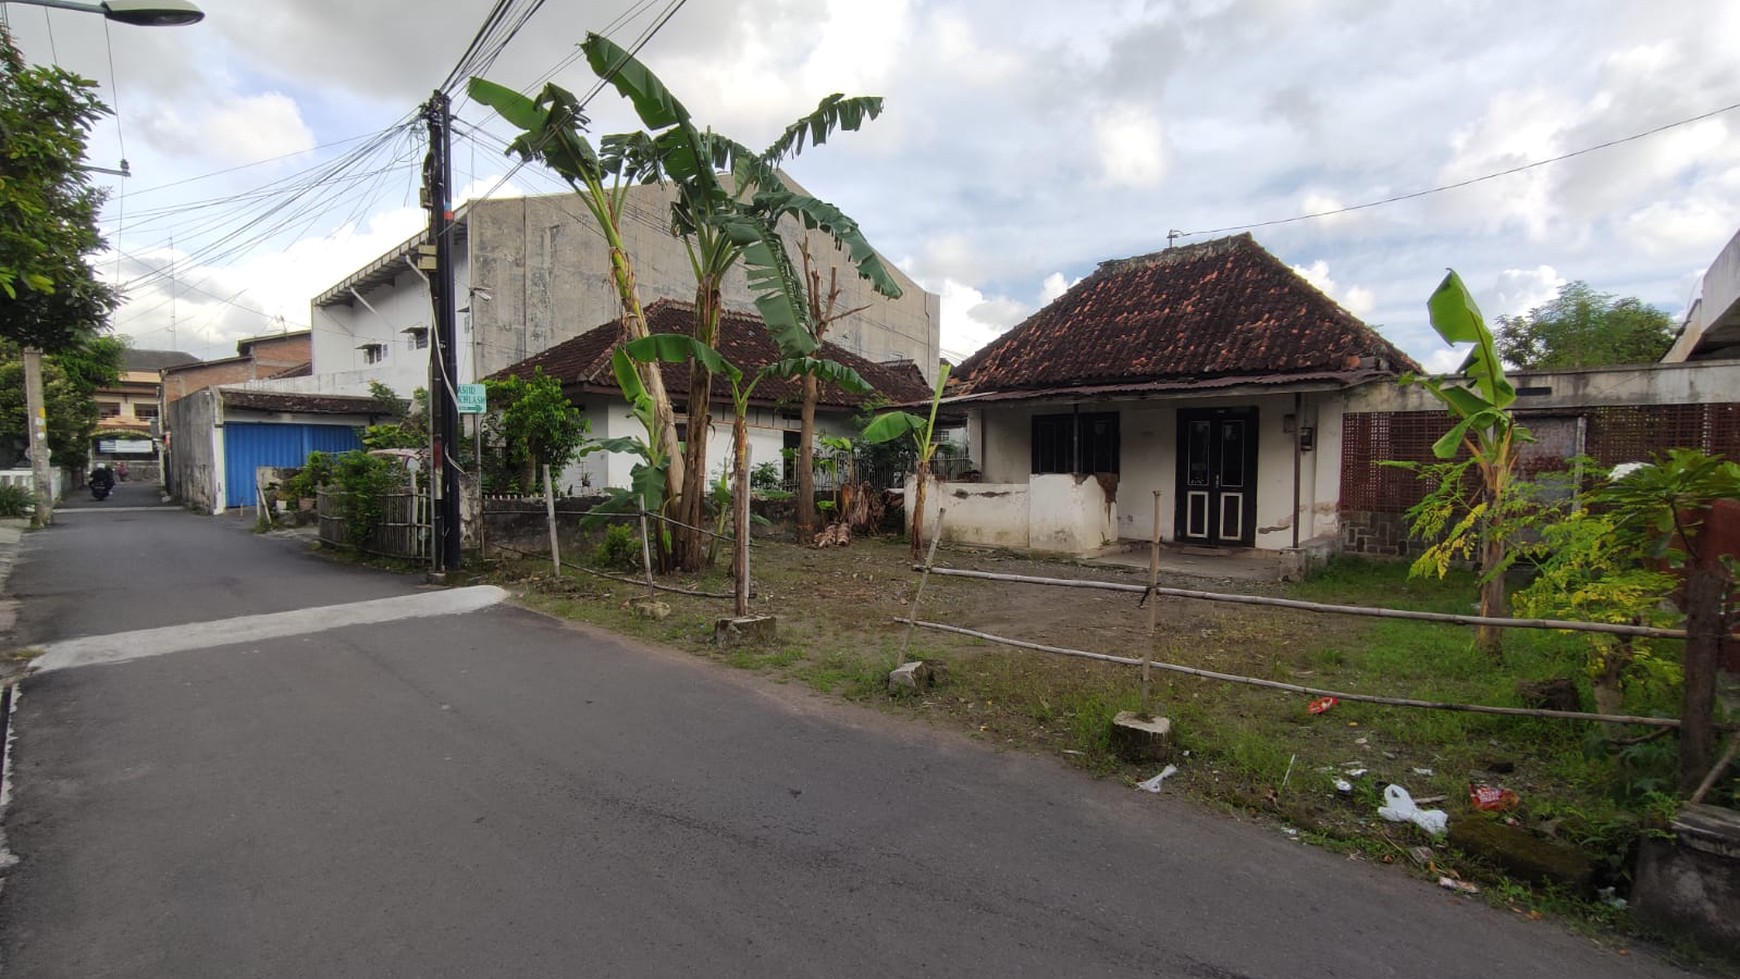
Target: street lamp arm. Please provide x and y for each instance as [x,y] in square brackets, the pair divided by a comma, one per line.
[140,13]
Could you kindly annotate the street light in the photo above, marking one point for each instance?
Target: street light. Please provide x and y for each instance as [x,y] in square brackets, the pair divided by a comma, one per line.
[140,13]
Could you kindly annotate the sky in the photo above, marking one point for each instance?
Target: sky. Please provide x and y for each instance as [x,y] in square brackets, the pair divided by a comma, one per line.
[1022,141]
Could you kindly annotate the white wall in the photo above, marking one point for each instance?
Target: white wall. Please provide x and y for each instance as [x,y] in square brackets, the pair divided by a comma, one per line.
[1148,433]
[1069,514]
[340,331]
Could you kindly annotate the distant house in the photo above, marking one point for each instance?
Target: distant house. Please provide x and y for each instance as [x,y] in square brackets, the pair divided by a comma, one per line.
[583,366]
[128,409]
[1212,374]
[274,355]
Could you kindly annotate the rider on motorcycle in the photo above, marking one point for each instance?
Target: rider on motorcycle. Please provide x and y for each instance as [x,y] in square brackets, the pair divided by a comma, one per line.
[102,478]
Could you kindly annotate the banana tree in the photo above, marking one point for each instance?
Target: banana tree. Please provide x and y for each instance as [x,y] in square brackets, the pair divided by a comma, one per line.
[713,217]
[551,132]
[677,349]
[1480,402]
[903,424]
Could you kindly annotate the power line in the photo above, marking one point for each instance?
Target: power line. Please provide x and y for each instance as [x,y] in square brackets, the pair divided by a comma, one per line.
[1470,181]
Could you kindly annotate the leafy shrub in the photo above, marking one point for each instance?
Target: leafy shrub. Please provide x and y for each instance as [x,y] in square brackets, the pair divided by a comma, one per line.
[366,481]
[16,501]
[619,550]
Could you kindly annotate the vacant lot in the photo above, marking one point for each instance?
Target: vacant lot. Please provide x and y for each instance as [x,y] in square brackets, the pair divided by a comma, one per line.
[1258,752]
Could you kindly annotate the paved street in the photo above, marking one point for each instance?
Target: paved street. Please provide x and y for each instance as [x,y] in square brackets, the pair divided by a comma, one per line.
[492,793]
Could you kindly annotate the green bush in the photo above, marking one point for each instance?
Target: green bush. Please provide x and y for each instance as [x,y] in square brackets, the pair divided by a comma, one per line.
[619,550]
[365,480]
[16,501]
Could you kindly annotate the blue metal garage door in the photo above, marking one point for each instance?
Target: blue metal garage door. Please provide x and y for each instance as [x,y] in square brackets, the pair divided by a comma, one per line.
[249,445]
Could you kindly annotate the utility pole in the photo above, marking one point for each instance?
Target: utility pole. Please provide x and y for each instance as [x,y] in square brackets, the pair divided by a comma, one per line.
[443,377]
[43,514]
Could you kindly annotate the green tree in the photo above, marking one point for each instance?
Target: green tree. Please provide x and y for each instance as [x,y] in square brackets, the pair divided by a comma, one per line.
[1584,328]
[672,348]
[49,295]
[1480,403]
[536,422]
[722,221]
[70,379]
[896,425]
[552,125]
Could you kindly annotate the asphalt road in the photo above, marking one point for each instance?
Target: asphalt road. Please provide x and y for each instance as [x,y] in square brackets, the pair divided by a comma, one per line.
[496,794]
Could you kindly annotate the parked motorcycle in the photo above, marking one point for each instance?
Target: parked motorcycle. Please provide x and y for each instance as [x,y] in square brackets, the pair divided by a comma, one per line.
[102,483]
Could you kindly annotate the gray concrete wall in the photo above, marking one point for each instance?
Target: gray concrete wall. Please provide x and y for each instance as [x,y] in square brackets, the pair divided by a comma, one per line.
[1697,382]
[195,456]
[1715,314]
[545,267]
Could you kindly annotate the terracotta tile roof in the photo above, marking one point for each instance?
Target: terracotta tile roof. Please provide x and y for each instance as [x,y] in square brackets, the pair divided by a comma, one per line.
[585,361]
[1222,309]
[317,404]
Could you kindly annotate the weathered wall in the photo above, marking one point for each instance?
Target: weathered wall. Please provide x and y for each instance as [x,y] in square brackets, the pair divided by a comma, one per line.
[195,460]
[545,268]
[1069,514]
[988,514]
[1148,460]
[1698,382]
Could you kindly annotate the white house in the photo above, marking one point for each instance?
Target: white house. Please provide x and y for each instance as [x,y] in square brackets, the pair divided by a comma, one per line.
[1212,374]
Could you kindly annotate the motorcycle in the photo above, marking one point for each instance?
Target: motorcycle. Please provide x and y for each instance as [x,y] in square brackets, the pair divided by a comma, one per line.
[100,491]
[102,483]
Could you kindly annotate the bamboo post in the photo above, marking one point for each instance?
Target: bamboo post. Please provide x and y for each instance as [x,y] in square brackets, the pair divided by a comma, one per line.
[1722,764]
[550,515]
[1153,602]
[646,553]
[742,543]
[1668,722]
[929,559]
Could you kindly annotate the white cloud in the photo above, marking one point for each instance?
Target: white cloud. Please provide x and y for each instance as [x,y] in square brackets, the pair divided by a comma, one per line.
[1056,284]
[1446,360]
[1516,291]
[1357,300]
[238,129]
[1132,153]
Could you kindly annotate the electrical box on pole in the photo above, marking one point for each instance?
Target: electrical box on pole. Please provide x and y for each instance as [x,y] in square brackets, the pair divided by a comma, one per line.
[443,373]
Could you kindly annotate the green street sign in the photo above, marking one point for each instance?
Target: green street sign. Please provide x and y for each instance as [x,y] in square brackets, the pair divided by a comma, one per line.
[471,399]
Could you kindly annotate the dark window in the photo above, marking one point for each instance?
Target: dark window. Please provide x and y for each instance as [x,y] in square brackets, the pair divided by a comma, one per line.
[1085,442]
[374,353]
[144,410]
[108,409]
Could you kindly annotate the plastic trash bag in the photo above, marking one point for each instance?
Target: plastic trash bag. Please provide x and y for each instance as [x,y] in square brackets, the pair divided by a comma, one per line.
[1153,784]
[1399,807]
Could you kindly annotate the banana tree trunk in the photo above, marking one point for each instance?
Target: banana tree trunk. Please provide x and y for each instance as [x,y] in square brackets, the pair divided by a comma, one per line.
[806,488]
[917,539]
[664,416]
[690,543]
[1489,639]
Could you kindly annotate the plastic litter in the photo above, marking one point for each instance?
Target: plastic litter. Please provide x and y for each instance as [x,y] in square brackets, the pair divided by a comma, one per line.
[1153,784]
[1423,772]
[1343,786]
[1491,798]
[1452,884]
[1399,807]
[1320,705]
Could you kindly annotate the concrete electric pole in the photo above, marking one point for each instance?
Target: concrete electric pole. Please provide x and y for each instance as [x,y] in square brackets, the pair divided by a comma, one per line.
[443,372]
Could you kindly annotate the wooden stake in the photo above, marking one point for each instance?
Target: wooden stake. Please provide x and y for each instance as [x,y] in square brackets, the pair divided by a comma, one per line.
[1704,587]
[646,553]
[550,515]
[1709,781]
[929,559]
[1153,601]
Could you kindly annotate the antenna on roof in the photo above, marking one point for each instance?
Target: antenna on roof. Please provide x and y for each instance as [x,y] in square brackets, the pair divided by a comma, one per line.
[1172,236]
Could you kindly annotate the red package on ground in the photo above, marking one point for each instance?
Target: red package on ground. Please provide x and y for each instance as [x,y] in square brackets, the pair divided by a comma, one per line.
[1320,705]
[1489,798]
